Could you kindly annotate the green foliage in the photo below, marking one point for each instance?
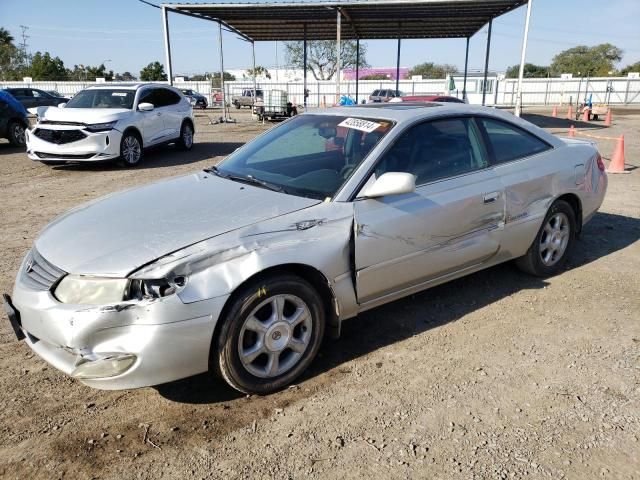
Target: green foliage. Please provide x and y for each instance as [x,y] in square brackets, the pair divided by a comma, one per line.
[322,59]
[432,70]
[88,73]
[215,78]
[45,67]
[259,71]
[5,37]
[375,76]
[530,71]
[595,61]
[634,67]
[125,77]
[153,72]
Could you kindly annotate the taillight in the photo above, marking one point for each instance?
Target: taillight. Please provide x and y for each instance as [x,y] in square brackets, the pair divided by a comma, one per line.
[600,163]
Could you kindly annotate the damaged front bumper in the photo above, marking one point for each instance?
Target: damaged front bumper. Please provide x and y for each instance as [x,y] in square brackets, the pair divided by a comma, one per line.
[128,345]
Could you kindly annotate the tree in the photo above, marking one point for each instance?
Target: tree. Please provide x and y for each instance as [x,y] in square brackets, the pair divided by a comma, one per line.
[432,70]
[153,72]
[375,76]
[259,71]
[125,77]
[595,61]
[87,73]
[530,71]
[634,67]
[44,67]
[321,56]
[215,79]
[5,37]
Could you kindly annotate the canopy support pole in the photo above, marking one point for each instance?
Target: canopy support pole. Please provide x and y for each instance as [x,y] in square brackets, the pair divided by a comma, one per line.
[398,62]
[304,66]
[255,75]
[167,45]
[466,69]
[357,67]
[486,64]
[224,93]
[338,59]
[518,110]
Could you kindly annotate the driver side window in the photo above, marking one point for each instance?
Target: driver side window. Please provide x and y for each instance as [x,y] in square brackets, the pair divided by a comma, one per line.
[436,150]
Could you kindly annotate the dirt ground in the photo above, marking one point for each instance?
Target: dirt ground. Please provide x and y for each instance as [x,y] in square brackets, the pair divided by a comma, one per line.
[496,375]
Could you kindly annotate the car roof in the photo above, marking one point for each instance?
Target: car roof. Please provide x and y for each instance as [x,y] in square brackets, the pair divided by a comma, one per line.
[125,86]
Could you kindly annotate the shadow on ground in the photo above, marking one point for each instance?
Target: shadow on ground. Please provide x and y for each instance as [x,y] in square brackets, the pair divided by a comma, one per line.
[544,121]
[416,314]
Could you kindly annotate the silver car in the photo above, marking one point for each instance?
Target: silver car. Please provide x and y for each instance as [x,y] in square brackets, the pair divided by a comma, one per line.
[245,267]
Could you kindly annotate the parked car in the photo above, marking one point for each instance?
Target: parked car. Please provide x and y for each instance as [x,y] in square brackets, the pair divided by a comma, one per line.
[32,97]
[245,99]
[199,100]
[13,119]
[432,98]
[384,95]
[109,122]
[243,268]
[55,93]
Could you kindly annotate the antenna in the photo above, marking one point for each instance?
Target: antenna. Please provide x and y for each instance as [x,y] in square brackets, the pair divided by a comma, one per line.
[24,44]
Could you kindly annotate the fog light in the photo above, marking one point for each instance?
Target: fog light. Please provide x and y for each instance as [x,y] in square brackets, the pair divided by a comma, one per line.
[104,365]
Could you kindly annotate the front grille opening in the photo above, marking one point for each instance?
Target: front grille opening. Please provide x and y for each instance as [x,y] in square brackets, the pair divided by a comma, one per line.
[59,137]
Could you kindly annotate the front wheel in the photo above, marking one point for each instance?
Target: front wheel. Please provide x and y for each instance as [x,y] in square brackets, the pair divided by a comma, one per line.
[130,150]
[270,334]
[17,136]
[550,249]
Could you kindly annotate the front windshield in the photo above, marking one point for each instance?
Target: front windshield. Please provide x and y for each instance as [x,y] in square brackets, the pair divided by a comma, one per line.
[310,155]
[103,98]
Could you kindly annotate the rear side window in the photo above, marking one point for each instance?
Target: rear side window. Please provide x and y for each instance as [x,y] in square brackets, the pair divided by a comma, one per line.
[511,143]
[375,93]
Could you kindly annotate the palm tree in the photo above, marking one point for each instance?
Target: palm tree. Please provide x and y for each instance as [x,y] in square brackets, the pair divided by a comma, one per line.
[5,37]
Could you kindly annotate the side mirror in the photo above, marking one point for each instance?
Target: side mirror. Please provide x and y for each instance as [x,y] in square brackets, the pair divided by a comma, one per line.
[391,183]
[146,107]
[192,101]
[62,105]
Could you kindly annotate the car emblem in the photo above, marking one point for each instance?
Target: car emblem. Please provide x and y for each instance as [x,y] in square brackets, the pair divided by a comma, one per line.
[276,335]
[28,268]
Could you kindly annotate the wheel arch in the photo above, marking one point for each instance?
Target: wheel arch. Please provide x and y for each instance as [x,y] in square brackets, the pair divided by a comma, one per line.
[576,204]
[136,131]
[311,274]
[190,122]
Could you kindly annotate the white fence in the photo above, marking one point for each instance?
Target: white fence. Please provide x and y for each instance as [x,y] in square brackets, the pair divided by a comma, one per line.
[502,92]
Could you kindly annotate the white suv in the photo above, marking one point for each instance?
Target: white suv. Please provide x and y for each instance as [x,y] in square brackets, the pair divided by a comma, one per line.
[111,121]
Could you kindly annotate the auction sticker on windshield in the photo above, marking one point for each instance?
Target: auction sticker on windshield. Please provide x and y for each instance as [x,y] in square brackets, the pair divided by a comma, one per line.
[119,94]
[359,124]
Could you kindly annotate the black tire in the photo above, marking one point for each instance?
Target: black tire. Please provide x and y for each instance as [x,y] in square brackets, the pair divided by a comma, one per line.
[128,142]
[226,356]
[185,142]
[533,262]
[16,134]
[237,105]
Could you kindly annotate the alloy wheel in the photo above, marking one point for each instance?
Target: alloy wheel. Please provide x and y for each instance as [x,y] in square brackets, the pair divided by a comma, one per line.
[187,136]
[275,335]
[131,150]
[18,134]
[554,239]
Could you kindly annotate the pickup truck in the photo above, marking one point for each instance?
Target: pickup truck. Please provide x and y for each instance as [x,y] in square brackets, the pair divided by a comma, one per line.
[246,99]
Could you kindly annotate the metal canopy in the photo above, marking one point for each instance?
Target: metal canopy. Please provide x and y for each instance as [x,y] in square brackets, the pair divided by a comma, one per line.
[363,19]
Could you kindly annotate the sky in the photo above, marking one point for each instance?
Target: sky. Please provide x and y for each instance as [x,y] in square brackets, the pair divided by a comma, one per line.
[127,34]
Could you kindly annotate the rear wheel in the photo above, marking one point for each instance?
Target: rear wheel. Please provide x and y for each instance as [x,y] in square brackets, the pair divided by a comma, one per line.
[185,142]
[17,136]
[549,251]
[237,105]
[270,335]
[130,149]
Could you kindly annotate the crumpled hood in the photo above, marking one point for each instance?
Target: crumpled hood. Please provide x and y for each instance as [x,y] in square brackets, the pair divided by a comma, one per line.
[81,115]
[117,234]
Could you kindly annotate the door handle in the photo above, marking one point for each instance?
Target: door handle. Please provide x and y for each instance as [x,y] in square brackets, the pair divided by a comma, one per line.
[491,197]
[158,114]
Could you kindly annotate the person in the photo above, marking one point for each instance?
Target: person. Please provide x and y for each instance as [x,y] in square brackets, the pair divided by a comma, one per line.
[12,102]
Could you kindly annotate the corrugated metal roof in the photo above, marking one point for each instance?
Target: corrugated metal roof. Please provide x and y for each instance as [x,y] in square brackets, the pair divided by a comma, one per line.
[364,19]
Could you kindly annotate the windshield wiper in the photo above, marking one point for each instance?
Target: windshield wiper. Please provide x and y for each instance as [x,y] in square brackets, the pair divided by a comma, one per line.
[250,179]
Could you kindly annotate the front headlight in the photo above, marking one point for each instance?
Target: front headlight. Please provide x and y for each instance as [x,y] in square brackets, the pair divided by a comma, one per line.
[81,290]
[101,127]
[85,290]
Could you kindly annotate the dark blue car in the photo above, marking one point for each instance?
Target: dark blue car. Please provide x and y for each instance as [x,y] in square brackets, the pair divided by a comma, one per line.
[13,119]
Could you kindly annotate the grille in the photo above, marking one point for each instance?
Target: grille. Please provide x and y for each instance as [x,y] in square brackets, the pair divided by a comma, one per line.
[54,122]
[64,156]
[59,136]
[39,274]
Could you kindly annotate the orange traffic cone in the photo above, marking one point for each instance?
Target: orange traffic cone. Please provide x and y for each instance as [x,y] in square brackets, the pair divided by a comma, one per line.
[570,113]
[585,115]
[617,159]
[554,112]
[572,131]
[608,119]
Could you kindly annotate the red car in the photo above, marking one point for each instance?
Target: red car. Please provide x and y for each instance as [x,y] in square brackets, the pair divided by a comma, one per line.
[431,98]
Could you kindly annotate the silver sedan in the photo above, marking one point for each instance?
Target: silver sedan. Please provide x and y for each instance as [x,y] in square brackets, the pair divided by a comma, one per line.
[244,268]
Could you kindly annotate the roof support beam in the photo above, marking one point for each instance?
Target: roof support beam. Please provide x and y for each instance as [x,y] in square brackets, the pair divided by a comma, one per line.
[338,59]
[357,67]
[167,44]
[466,69]
[522,59]
[398,60]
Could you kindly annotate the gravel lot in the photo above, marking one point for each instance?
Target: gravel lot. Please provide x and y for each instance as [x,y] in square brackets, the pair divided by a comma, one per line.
[497,375]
